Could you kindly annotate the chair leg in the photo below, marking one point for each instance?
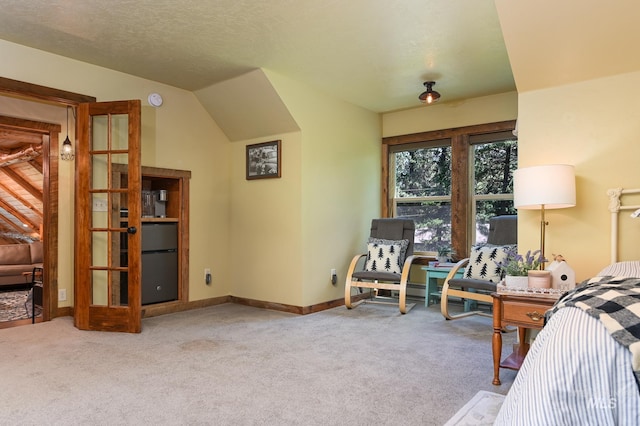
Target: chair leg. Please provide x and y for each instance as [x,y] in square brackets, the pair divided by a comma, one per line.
[444,306]
[347,294]
[349,280]
[402,299]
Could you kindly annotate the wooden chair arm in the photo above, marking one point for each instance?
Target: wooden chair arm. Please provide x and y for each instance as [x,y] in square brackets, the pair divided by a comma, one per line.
[353,264]
[456,268]
[464,294]
[414,258]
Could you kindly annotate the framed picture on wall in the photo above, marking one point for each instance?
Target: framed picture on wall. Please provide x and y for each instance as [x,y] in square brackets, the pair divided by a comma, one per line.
[263,160]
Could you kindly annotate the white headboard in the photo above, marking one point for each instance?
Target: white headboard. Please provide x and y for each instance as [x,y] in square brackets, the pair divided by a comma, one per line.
[615,206]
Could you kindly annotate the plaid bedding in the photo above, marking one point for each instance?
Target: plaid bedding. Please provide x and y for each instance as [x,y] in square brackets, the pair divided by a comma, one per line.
[615,301]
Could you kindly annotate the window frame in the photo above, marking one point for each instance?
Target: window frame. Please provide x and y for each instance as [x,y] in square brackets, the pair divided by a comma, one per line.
[462,201]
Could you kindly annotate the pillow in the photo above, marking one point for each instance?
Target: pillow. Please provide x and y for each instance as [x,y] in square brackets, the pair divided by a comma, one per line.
[385,255]
[482,262]
[622,269]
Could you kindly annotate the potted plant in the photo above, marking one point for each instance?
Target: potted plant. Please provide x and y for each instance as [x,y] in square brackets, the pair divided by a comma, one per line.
[443,254]
[517,267]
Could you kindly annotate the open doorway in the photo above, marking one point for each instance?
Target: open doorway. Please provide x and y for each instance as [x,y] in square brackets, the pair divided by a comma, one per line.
[49,133]
[25,217]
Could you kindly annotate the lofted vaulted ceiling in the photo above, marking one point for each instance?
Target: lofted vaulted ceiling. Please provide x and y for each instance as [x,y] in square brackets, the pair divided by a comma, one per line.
[21,183]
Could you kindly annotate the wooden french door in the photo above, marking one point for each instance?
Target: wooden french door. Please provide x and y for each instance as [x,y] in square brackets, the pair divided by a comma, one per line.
[107,243]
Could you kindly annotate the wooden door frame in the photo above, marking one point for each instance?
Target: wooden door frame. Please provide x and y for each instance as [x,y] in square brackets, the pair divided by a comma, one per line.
[49,134]
[50,185]
[109,314]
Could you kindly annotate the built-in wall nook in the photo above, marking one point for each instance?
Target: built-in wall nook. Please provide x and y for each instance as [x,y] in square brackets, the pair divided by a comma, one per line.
[165,238]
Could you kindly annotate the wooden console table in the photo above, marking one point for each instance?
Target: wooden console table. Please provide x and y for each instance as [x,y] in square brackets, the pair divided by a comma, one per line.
[523,311]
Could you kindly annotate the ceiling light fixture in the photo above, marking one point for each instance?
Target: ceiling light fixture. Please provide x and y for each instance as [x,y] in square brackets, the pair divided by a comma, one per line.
[66,153]
[430,96]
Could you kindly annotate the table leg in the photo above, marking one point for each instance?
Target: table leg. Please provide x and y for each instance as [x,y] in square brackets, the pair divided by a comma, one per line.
[432,287]
[496,342]
[523,345]
[470,304]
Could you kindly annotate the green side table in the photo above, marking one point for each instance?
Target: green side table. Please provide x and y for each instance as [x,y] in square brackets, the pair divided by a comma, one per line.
[434,273]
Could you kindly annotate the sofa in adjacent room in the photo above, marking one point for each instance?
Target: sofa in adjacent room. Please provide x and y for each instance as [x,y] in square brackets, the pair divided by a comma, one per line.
[16,259]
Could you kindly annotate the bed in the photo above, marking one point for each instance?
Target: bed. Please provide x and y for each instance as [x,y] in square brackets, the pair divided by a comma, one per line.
[584,366]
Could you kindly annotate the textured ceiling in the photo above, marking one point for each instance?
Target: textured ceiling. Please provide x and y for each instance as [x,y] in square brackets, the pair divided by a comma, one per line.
[373,53]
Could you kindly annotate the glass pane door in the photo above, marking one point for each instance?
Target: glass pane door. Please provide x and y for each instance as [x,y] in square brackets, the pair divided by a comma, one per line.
[107,272]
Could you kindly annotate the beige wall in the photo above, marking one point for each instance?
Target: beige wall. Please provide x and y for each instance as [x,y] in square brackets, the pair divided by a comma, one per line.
[447,115]
[292,231]
[578,104]
[593,125]
[273,240]
[265,227]
[340,160]
[179,135]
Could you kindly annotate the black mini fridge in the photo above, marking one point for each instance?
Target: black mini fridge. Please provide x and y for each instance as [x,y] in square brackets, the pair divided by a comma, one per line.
[159,262]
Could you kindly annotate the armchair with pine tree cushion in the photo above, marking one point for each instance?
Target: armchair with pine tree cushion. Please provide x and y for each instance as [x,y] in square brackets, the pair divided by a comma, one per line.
[482,273]
[386,264]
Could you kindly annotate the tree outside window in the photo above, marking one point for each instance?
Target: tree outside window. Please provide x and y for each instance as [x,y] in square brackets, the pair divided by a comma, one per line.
[451,183]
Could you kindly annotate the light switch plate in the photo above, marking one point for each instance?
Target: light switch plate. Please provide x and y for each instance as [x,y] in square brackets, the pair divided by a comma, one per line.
[100,205]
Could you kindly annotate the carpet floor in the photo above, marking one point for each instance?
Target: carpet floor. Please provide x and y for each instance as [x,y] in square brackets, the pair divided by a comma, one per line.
[233,364]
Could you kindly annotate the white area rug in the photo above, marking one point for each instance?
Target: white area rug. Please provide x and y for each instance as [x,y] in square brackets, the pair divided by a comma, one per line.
[481,410]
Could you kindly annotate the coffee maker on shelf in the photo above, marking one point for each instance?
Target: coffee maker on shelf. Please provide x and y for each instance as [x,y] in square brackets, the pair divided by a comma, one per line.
[154,203]
[160,203]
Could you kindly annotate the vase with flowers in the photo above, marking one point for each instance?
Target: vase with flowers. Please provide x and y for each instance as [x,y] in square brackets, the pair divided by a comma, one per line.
[522,271]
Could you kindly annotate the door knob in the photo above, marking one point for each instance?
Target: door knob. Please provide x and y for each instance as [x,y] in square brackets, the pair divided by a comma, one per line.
[132,230]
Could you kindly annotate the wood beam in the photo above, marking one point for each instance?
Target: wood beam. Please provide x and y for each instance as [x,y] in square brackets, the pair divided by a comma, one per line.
[12,210]
[16,87]
[19,198]
[20,137]
[36,163]
[30,125]
[21,156]
[22,182]
[9,222]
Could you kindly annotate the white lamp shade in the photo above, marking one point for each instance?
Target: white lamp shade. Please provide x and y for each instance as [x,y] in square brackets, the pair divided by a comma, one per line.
[552,186]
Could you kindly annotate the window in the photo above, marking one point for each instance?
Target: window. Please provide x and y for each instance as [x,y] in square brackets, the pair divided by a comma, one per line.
[422,191]
[493,163]
[450,182]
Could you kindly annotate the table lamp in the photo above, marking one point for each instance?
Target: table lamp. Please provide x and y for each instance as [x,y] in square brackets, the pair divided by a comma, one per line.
[542,188]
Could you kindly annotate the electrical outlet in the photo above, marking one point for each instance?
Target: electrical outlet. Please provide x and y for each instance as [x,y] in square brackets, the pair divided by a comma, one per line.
[333,272]
[62,295]
[334,277]
[207,275]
